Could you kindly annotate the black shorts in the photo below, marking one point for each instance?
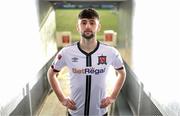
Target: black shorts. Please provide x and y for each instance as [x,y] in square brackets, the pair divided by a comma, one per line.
[103,115]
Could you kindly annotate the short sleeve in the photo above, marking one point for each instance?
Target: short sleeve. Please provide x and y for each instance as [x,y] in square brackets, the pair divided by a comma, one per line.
[59,61]
[117,62]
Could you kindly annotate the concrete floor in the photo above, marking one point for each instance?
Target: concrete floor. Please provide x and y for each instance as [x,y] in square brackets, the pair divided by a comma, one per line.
[52,106]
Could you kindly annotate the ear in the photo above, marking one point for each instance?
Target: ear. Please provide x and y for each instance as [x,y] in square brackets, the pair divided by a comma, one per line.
[99,27]
[77,27]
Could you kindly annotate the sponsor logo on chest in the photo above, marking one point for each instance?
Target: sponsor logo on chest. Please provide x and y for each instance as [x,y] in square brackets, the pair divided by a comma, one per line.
[88,71]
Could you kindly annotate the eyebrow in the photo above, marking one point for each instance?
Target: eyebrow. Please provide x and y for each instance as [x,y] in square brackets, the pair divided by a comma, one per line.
[82,20]
[88,20]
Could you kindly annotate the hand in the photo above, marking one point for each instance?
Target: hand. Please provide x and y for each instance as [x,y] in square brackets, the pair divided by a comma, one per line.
[106,102]
[70,104]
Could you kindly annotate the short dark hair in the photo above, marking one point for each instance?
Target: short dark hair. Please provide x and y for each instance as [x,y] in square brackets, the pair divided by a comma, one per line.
[89,13]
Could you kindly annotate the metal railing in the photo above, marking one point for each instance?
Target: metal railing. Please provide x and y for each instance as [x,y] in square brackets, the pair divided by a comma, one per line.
[138,100]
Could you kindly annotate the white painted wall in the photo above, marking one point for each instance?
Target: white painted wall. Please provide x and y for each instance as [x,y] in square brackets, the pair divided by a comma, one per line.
[156,50]
[23,50]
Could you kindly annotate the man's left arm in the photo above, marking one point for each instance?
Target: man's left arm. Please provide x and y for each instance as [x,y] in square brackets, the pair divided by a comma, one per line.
[118,85]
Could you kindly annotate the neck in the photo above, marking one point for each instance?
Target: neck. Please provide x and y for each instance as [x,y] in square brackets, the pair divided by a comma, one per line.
[88,45]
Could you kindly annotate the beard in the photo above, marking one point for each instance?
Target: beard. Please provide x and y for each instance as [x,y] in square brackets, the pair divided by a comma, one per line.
[88,37]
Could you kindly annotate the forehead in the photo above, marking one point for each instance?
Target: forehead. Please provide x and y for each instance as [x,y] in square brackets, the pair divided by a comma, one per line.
[88,20]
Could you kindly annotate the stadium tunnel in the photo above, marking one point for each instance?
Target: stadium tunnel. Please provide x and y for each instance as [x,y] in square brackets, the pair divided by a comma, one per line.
[132,101]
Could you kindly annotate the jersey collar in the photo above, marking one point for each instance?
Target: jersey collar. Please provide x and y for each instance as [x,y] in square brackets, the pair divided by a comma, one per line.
[97,46]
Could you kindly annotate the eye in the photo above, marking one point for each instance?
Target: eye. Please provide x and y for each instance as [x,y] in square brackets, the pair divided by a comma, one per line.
[84,22]
[92,22]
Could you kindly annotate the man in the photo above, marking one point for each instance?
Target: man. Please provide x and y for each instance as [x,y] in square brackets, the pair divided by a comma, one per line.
[88,61]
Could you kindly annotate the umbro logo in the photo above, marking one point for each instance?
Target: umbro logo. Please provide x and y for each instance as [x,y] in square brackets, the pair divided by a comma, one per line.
[74,59]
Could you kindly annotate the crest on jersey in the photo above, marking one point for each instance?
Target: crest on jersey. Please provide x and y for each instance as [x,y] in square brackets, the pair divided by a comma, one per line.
[102,60]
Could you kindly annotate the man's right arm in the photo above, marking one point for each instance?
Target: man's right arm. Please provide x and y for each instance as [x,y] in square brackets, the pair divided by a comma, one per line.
[52,77]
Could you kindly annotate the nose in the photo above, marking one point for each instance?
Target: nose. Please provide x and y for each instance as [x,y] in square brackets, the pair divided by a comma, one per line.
[88,25]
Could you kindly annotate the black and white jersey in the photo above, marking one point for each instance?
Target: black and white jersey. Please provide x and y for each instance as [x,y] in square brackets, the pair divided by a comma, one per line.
[88,75]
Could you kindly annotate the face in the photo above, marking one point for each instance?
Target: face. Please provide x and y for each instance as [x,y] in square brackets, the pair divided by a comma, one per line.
[88,27]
